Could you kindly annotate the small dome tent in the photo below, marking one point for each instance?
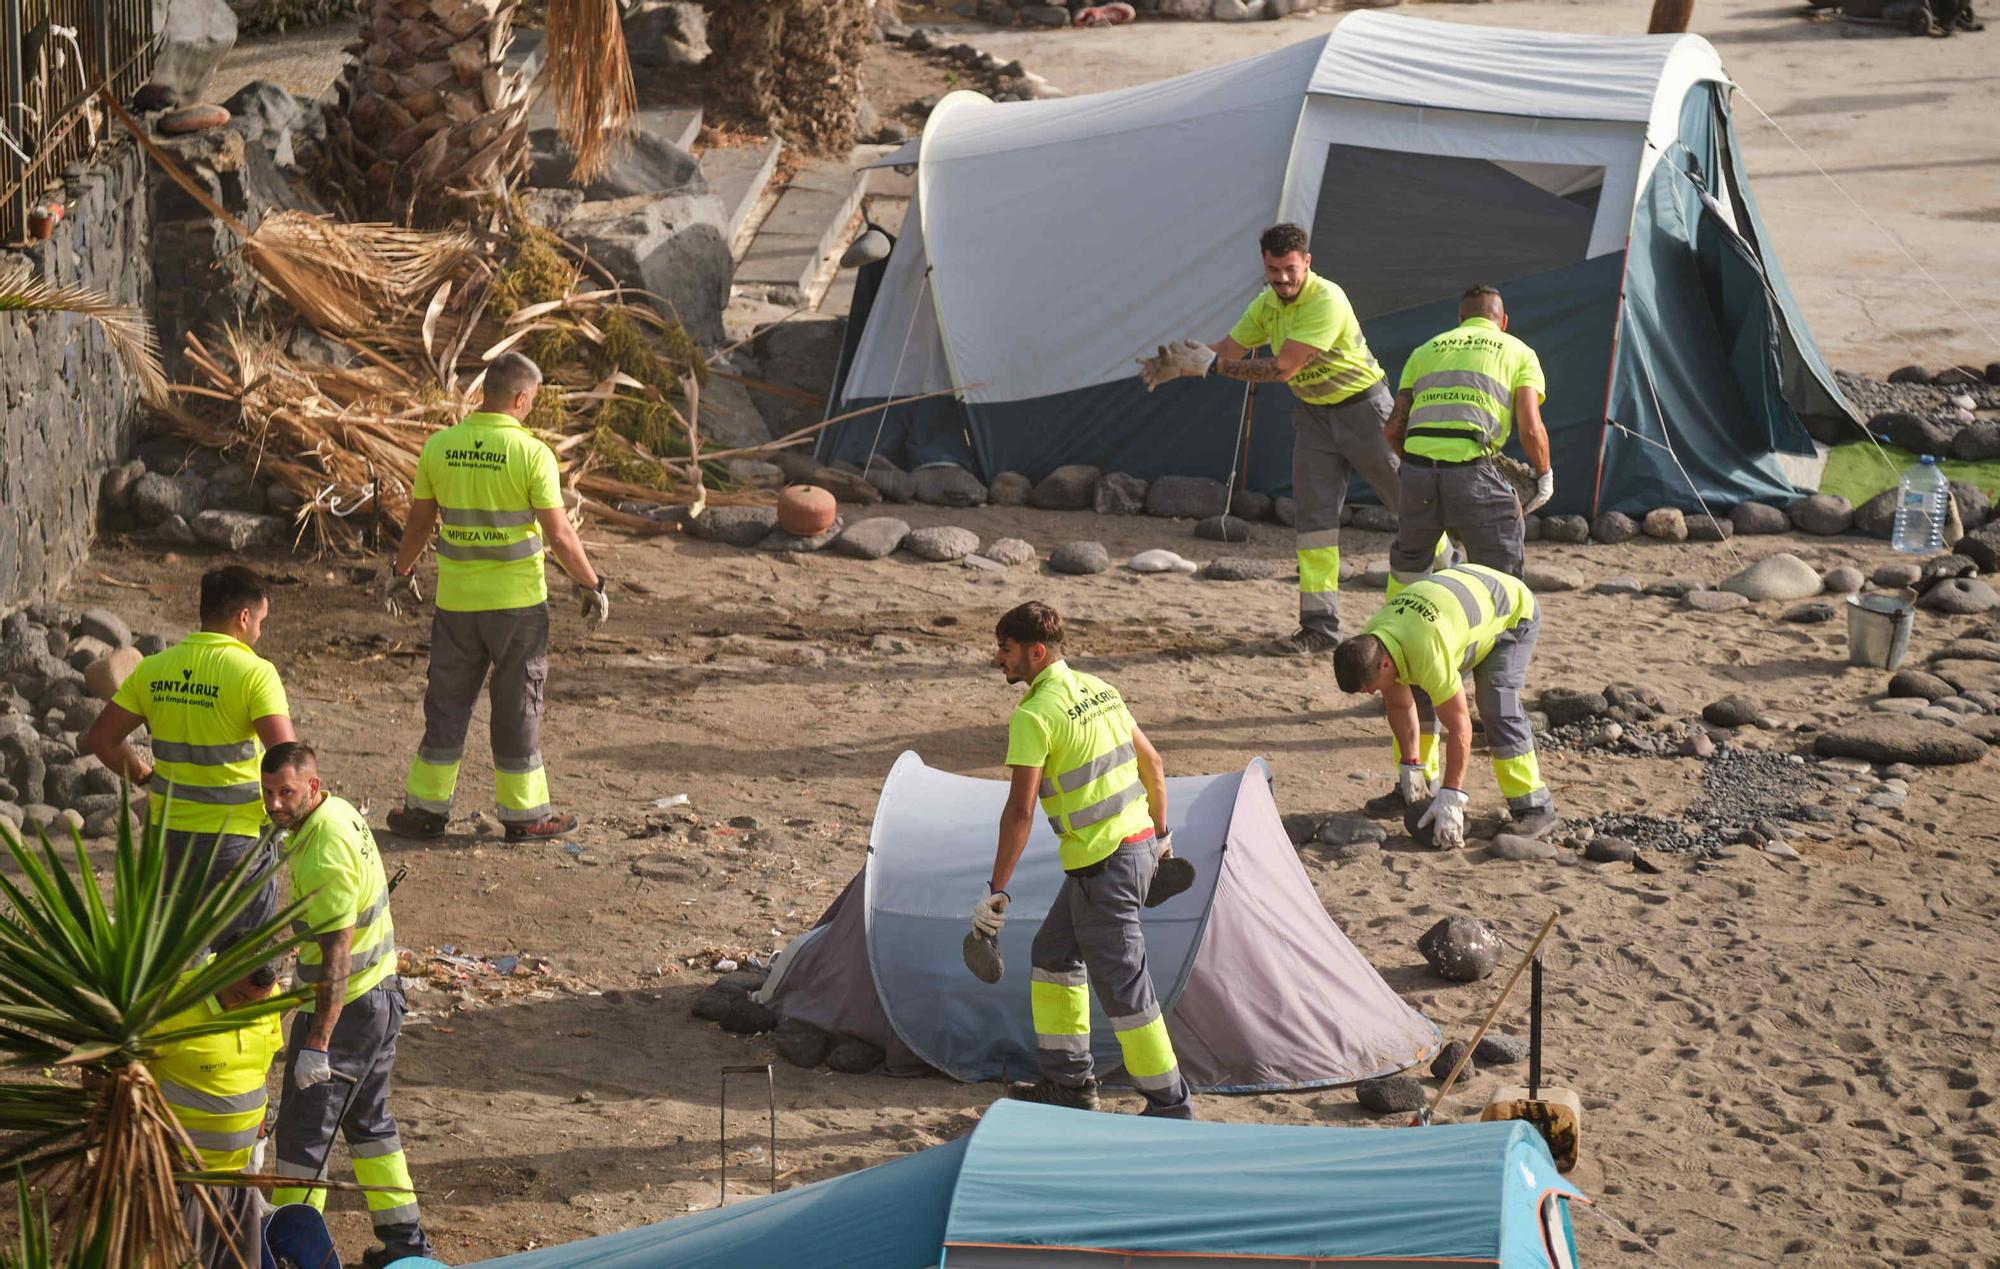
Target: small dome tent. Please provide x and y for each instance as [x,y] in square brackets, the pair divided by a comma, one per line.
[1260,988]
[1595,180]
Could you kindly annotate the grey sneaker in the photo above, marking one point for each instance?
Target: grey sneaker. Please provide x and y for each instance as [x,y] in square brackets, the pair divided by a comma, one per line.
[1305,642]
[1533,823]
[1049,1093]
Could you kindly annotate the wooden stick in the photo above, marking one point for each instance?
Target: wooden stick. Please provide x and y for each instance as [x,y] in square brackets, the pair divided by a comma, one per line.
[1424,1116]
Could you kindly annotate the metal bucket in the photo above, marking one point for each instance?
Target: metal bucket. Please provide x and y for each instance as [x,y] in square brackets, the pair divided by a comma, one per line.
[1878,630]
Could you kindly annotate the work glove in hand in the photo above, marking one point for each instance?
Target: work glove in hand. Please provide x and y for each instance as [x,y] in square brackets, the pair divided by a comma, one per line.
[1192,357]
[595,604]
[1163,846]
[989,914]
[1158,368]
[313,1067]
[400,593]
[1446,819]
[1171,875]
[1413,783]
[1545,489]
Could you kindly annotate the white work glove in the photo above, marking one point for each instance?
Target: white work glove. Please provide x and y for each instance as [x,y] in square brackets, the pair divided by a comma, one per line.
[595,604]
[257,1156]
[400,593]
[1446,819]
[1163,845]
[1413,783]
[1545,489]
[990,913]
[313,1067]
[1186,357]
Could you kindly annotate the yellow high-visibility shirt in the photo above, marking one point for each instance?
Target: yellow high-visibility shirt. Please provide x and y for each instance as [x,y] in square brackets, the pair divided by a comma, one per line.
[200,699]
[1075,727]
[214,1084]
[1442,626]
[1322,318]
[1462,386]
[337,870]
[488,475]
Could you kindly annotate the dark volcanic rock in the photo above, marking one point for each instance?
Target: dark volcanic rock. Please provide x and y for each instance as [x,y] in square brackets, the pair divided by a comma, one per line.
[854,1057]
[1392,1094]
[1463,949]
[1886,738]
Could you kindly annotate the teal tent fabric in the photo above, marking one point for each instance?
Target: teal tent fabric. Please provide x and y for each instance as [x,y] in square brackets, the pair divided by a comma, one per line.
[886,1217]
[1450,1191]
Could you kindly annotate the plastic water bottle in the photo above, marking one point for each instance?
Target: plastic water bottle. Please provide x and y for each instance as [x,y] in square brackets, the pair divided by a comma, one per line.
[1923,500]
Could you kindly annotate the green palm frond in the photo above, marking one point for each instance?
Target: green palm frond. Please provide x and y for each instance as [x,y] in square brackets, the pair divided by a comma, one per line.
[131,335]
[87,985]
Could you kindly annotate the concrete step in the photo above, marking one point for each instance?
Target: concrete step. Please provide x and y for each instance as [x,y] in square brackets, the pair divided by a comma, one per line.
[810,219]
[737,175]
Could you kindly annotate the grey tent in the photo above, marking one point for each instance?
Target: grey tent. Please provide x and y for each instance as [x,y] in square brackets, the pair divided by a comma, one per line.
[1262,990]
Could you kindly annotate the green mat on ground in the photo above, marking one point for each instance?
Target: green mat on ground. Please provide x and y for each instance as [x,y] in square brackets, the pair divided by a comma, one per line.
[1857,471]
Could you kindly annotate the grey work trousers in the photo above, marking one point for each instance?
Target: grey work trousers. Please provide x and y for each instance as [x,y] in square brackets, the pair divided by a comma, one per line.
[229,851]
[1092,938]
[239,1240]
[512,643]
[1329,444]
[1497,682]
[363,1046]
[1473,502]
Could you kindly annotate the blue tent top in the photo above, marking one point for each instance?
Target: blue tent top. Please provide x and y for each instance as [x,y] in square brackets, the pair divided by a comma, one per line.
[1038,1183]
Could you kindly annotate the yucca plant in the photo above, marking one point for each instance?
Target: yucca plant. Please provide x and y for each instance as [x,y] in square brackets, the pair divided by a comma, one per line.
[36,1247]
[84,988]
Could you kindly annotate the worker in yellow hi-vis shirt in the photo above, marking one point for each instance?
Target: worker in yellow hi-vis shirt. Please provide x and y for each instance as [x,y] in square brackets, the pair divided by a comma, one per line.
[1072,744]
[1468,619]
[492,488]
[356,1013]
[211,705]
[1338,415]
[214,1085]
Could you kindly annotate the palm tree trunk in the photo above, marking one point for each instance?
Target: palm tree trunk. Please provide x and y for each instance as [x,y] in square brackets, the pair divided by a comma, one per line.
[1670,17]
[795,64]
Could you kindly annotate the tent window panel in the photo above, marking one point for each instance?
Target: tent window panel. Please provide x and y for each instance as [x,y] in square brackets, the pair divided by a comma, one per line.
[1398,230]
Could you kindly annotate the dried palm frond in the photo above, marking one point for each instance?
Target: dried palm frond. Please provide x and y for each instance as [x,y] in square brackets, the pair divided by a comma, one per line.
[591,77]
[130,334]
[344,278]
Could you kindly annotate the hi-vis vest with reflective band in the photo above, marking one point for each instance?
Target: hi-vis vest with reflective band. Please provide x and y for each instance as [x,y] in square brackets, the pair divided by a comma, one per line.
[200,699]
[1090,780]
[1442,626]
[215,1083]
[1462,391]
[337,870]
[1322,318]
[488,475]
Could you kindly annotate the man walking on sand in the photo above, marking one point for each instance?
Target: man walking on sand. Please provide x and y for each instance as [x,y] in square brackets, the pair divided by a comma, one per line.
[1337,424]
[493,488]
[1072,743]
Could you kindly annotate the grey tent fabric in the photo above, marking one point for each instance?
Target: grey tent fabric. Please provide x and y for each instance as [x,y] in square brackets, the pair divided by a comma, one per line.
[1259,985]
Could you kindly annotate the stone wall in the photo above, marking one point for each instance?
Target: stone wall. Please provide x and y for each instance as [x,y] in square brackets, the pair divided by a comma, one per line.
[67,409]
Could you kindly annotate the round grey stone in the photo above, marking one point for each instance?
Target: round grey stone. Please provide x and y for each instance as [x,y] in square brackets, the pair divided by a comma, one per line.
[1461,948]
[1843,580]
[1549,579]
[1448,1057]
[853,1057]
[1186,497]
[1614,527]
[1230,568]
[1069,488]
[801,1043]
[1392,1094]
[1960,596]
[942,543]
[1010,552]
[1346,830]
[102,623]
[1667,524]
[1009,489]
[1616,586]
[1609,850]
[1823,515]
[1223,529]
[948,485]
[735,526]
[1119,494]
[1734,710]
[1497,1048]
[1567,705]
[1917,683]
[1778,576]
[1887,738]
[873,538]
[1809,614]
[1526,850]
[1714,601]
[1896,575]
[1572,530]
[1080,558]
[1757,517]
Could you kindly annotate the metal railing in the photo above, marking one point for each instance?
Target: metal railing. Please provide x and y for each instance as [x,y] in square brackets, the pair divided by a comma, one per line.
[54,55]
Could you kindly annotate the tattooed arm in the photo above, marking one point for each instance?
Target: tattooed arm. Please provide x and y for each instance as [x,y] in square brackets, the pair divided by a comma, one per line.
[1291,359]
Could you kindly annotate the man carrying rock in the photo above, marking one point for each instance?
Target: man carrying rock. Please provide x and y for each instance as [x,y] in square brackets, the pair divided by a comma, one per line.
[356,1012]
[493,487]
[1412,653]
[1337,424]
[212,705]
[1456,404]
[1072,742]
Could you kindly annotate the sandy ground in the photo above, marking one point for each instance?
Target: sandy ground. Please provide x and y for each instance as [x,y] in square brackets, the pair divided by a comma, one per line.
[1778,1059]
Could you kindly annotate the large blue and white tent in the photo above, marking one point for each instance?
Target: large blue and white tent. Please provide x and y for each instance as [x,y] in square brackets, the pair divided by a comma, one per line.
[1595,180]
[1046,1188]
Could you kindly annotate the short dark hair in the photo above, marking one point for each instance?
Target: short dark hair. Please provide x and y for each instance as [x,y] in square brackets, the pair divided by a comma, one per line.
[1032,622]
[1480,297]
[1356,661]
[1282,240]
[265,976]
[291,754]
[227,589]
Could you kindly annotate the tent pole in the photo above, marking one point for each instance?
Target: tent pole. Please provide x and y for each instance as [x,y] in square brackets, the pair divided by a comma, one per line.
[1610,381]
